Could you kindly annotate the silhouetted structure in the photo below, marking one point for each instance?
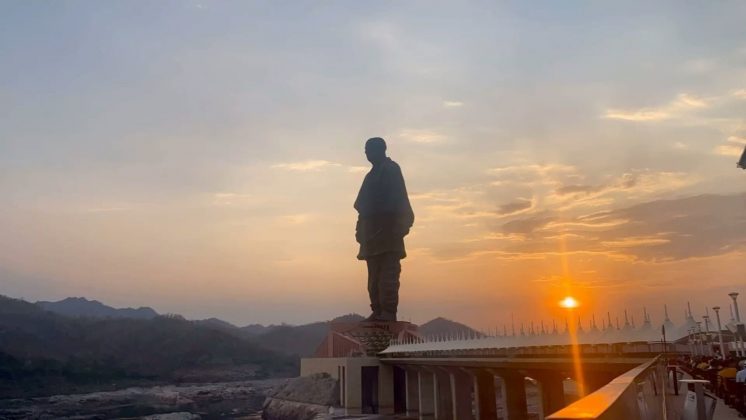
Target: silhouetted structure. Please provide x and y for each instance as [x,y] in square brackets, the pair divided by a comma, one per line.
[742,161]
[384,218]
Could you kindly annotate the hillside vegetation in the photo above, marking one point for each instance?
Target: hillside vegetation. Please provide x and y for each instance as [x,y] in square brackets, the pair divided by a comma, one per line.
[40,349]
[80,345]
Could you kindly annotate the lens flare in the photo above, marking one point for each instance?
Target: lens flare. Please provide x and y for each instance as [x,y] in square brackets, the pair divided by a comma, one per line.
[569,302]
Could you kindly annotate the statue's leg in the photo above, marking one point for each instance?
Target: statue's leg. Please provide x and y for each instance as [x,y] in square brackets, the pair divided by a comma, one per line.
[374,269]
[389,285]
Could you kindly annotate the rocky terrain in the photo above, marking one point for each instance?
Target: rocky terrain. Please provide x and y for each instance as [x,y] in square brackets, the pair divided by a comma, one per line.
[79,358]
[302,398]
[215,400]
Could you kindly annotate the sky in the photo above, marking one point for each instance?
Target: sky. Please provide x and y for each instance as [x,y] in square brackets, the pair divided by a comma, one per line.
[202,157]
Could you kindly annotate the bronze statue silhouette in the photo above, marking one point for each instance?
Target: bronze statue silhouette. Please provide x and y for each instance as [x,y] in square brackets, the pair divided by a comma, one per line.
[384,218]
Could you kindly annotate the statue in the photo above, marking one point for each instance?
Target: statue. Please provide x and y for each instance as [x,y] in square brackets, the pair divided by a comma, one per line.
[384,218]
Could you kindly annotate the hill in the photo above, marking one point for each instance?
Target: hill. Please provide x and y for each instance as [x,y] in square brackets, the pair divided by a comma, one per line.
[40,349]
[442,326]
[301,340]
[80,306]
[255,329]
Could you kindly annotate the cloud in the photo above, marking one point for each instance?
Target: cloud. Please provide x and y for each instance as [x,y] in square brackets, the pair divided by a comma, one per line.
[631,184]
[674,109]
[655,231]
[740,93]
[518,206]
[452,104]
[107,209]
[306,165]
[645,114]
[636,241]
[532,169]
[358,169]
[235,199]
[421,136]
[566,226]
[728,149]
[296,219]
[528,225]
[700,226]
[532,174]
[733,147]
[579,189]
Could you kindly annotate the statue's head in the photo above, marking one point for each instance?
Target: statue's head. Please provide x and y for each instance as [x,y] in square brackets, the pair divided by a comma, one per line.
[375,150]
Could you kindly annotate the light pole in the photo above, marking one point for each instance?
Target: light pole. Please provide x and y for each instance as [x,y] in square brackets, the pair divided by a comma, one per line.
[720,331]
[700,339]
[739,327]
[707,328]
[692,345]
[734,295]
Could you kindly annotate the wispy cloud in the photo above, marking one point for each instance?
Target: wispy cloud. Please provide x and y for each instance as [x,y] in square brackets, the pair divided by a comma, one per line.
[515,207]
[358,169]
[107,209]
[232,199]
[637,241]
[734,146]
[421,136]
[532,173]
[674,109]
[453,104]
[659,230]
[437,196]
[633,184]
[307,165]
[740,93]
[645,114]
[296,219]
[728,150]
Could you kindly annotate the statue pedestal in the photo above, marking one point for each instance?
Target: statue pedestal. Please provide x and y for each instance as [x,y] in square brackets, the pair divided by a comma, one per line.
[369,338]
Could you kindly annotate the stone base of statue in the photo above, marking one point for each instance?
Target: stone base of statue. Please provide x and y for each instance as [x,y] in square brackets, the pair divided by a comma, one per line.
[364,338]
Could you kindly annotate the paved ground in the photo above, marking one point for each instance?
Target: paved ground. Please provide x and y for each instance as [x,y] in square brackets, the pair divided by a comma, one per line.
[676,406]
[724,412]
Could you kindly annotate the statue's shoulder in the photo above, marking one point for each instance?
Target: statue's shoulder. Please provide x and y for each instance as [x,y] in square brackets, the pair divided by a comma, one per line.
[392,165]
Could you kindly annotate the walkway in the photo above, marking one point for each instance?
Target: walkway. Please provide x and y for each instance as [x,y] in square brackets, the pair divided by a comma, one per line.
[722,411]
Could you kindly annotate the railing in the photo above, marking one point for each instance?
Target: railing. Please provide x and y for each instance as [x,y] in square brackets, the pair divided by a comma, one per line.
[639,394]
[490,346]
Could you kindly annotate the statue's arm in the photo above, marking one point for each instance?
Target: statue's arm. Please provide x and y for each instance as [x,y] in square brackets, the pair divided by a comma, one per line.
[405,215]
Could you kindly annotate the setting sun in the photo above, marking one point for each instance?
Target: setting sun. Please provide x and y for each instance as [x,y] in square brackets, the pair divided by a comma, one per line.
[569,302]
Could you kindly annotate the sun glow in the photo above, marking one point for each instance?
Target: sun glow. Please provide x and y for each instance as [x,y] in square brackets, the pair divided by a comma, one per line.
[569,302]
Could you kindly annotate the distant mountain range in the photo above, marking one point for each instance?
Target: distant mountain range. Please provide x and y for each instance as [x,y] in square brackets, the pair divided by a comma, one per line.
[44,352]
[297,340]
[50,347]
[82,307]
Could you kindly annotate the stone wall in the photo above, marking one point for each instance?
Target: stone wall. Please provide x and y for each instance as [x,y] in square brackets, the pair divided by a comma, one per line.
[302,398]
